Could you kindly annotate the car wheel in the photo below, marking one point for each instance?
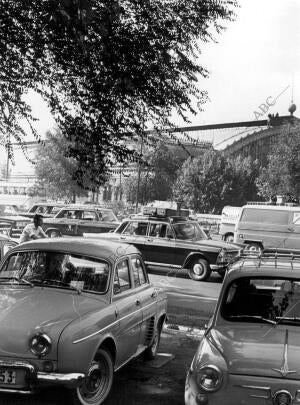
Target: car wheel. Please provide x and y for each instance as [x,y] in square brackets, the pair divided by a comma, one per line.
[199,270]
[254,247]
[151,351]
[97,385]
[229,238]
[53,234]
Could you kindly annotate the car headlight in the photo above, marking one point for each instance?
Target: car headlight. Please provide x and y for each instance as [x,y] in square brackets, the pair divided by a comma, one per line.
[40,344]
[209,378]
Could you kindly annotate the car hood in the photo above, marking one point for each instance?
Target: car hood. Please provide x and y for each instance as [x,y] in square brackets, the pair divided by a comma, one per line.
[28,310]
[214,244]
[259,350]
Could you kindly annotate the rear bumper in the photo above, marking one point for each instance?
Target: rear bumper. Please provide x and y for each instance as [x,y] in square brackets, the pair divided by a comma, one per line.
[34,379]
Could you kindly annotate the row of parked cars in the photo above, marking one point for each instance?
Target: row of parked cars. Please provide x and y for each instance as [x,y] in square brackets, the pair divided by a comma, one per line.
[75,310]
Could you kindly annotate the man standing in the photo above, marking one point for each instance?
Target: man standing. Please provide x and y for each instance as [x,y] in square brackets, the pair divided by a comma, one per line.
[33,231]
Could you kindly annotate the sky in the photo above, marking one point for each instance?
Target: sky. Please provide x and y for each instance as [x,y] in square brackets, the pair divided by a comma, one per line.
[256,59]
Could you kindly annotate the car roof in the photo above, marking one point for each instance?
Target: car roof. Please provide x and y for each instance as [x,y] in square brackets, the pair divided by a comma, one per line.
[48,203]
[104,249]
[273,207]
[158,219]
[265,267]
[86,207]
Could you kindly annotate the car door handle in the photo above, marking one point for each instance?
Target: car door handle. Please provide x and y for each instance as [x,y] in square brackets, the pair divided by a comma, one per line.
[137,302]
[122,237]
[291,229]
[154,294]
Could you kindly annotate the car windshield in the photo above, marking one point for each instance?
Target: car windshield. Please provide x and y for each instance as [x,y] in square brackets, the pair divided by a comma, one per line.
[189,231]
[57,269]
[263,300]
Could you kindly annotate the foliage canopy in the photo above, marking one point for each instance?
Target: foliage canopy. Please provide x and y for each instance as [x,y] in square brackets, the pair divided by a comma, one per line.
[105,67]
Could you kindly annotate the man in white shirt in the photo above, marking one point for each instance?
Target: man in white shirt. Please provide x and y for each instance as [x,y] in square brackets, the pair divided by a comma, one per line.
[33,231]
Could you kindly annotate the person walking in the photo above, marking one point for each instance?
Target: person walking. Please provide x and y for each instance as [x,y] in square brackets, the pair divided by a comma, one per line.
[34,230]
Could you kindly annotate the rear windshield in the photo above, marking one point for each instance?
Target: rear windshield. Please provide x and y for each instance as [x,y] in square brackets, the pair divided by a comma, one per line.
[265,216]
[262,300]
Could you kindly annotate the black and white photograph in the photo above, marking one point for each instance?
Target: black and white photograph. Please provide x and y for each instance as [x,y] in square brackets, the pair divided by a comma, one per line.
[149,202]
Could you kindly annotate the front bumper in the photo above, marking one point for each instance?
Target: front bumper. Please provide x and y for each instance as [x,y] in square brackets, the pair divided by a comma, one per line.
[241,390]
[33,379]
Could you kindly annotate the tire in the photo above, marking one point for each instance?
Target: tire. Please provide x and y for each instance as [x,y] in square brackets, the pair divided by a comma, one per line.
[254,247]
[199,270]
[53,233]
[96,388]
[229,238]
[151,351]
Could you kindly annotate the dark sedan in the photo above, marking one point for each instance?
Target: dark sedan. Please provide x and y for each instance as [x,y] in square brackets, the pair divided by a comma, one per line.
[177,243]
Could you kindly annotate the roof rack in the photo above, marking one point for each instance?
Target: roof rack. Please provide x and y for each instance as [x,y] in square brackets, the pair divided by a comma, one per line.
[292,254]
[165,212]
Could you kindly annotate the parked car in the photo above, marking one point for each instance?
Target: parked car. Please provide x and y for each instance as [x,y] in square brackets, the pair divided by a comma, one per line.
[74,311]
[74,220]
[12,226]
[268,226]
[229,219]
[46,209]
[8,209]
[174,242]
[250,352]
[5,245]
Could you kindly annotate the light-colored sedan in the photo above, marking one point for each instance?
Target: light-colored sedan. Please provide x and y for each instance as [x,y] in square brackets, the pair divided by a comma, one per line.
[73,311]
[250,352]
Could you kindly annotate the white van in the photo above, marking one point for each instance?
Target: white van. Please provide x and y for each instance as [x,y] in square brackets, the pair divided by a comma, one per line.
[229,219]
[268,226]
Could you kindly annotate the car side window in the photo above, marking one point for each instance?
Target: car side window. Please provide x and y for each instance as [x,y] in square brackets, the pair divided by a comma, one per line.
[138,272]
[122,277]
[89,216]
[136,228]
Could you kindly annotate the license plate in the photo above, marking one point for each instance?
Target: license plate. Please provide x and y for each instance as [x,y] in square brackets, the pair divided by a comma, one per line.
[8,376]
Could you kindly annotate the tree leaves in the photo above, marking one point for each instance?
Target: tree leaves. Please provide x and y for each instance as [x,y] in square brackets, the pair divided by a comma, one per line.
[105,67]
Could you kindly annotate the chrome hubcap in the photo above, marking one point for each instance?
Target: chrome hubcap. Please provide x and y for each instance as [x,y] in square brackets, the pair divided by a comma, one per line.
[198,269]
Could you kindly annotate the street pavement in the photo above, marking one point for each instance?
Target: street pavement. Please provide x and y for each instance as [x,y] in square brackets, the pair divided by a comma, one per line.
[190,303]
[161,381]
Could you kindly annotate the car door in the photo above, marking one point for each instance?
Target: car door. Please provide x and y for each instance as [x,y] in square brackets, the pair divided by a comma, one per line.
[88,222]
[128,311]
[159,248]
[147,294]
[66,222]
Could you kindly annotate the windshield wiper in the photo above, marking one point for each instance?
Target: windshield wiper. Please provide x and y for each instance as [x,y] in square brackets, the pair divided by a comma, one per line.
[49,281]
[19,280]
[256,317]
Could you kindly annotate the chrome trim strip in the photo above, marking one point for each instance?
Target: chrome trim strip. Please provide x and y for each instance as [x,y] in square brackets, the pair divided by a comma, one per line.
[218,266]
[112,324]
[175,266]
[255,387]
[11,391]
